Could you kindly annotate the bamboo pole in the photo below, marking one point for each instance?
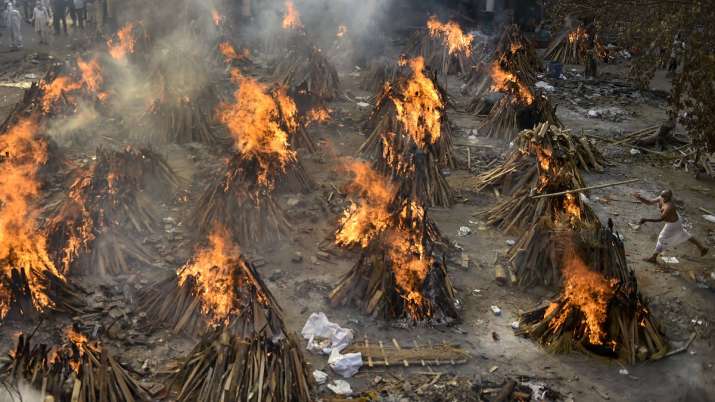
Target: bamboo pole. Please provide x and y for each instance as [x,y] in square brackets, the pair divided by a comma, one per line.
[578,190]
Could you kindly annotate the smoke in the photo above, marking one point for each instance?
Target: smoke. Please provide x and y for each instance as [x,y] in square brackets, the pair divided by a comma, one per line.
[22,392]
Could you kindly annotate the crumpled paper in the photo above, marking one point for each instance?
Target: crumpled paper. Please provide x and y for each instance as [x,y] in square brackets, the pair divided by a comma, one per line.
[346,365]
[340,387]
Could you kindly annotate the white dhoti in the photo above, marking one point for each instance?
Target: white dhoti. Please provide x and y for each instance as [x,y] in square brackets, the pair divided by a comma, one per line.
[673,233]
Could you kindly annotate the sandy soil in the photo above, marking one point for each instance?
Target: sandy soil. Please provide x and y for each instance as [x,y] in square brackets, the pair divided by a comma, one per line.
[677,295]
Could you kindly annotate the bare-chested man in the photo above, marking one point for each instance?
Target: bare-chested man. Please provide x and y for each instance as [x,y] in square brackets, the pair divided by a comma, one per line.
[673,232]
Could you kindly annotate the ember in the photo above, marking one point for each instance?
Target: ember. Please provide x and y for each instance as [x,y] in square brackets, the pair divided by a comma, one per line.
[319,115]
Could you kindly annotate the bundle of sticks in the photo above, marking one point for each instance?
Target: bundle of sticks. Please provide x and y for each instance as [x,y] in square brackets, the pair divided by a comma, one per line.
[411,138]
[307,73]
[246,351]
[556,172]
[600,309]
[31,102]
[445,48]
[95,228]
[236,199]
[77,370]
[567,47]
[399,274]
[521,169]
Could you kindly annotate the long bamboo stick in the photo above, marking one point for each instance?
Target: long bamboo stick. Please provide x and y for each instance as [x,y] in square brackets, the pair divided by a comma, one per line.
[578,190]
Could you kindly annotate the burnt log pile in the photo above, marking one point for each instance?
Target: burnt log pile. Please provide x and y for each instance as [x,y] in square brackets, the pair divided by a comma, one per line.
[97,227]
[75,370]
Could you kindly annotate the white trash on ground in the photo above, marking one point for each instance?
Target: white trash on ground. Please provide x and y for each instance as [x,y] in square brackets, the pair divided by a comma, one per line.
[320,377]
[345,365]
[340,387]
[545,86]
[464,231]
[670,260]
[318,326]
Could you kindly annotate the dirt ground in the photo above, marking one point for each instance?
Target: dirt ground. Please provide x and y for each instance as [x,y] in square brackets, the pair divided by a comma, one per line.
[681,295]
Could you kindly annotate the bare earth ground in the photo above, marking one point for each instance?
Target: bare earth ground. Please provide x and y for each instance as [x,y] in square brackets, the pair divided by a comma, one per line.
[681,295]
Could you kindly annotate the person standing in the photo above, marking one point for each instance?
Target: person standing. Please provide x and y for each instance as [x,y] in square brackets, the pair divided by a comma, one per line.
[59,15]
[41,21]
[79,11]
[673,232]
[14,24]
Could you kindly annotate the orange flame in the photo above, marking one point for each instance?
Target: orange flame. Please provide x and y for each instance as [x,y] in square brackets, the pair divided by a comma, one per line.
[229,52]
[124,45]
[56,89]
[577,35]
[342,30]
[92,77]
[21,245]
[318,114]
[369,216]
[291,18]
[409,259]
[212,268]
[452,36]
[504,81]
[419,106]
[218,278]
[585,291]
[572,207]
[261,125]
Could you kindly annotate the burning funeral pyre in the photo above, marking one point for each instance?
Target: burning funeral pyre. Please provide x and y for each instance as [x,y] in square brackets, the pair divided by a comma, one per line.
[399,274]
[556,172]
[571,47]
[182,110]
[97,228]
[30,281]
[306,72]
[383,70]
[411,136]
[519,108]
[521,167]
[245,349]
[75,370]
[600,309]
[445,48]
[263,124]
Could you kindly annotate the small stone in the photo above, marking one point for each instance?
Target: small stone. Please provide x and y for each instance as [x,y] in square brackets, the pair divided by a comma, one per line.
[297,257]
[496,310]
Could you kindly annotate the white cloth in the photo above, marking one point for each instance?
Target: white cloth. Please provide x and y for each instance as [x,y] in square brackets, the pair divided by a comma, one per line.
[14,24]
[673,233]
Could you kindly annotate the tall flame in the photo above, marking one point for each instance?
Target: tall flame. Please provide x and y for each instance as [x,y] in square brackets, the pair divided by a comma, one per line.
[452,35]
[419,106]
[291,18]
[124,44]
[504,81]
[21,245]
[585,291]
[211,269]
[409,259]
[261,125]
[369,216]
[92,78]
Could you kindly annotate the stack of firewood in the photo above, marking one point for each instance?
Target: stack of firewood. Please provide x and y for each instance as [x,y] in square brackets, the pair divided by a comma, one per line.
[567,47]
[519,54]
[96,228]
[621,327]
[520,169]
[556,172]
[235,199]
[414,159]
[400,273]
[77,370]
[306,72]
